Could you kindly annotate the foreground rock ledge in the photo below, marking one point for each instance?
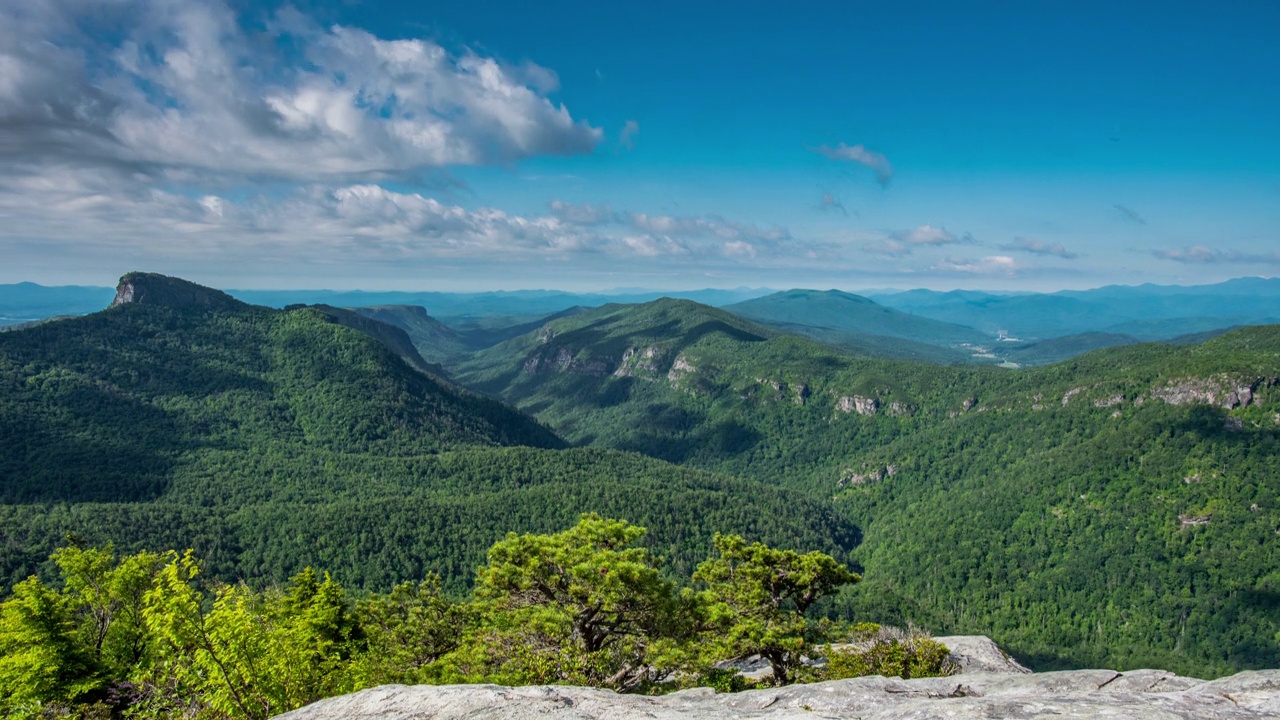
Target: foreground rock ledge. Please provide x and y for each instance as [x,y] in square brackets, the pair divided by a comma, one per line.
[1138,695]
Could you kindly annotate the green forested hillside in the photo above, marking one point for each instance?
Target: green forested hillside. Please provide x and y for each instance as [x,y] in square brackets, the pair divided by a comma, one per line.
[272,439]
[1119,508]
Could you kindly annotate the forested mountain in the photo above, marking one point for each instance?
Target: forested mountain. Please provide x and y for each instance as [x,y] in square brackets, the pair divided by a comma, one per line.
[451,342]
[861,326]
[1120,508]
[269,440]
[989,498]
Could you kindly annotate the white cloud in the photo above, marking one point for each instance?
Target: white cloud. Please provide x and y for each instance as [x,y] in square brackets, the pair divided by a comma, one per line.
[1205,255]
[878,163]
[900,243]
[886,246]
[653,246]
[364,221]
[583,213]
[627,138]
[926,235]
[1039,247]
[184,89]
[990,265]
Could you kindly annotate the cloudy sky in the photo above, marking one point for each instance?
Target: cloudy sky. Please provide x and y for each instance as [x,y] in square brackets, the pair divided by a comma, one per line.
[591,145]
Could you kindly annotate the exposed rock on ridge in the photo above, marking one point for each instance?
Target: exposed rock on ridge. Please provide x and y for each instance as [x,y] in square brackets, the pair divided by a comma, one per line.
[157,289]
[1138,695]
[1222,391]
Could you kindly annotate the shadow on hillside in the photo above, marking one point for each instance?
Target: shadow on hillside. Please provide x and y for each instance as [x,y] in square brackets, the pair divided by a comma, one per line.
[120,451]
[1210,422]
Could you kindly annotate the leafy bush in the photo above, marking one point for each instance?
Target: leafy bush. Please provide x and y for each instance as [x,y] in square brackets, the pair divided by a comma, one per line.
[889,652]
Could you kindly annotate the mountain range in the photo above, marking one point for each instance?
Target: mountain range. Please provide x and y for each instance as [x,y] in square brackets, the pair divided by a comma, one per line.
[1119,508]
[938,327]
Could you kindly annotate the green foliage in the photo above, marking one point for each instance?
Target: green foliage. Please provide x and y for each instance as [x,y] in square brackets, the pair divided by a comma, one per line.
[1044,507]
[405,631]
[1048,508]
[584,606]
[109,595]
[884,651]
[251,655]
[42,658]
[268,441]
[758,597]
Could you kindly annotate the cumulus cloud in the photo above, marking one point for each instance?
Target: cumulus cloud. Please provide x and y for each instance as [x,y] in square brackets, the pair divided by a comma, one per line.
[878,163]
[178,86]
[990,265]
[900,243]
[367,221]
[926,235]
[583,213]
[1039,247]
[1205,255]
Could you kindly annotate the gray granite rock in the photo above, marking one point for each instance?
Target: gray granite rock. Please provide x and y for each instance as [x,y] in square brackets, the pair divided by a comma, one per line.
[1079,694]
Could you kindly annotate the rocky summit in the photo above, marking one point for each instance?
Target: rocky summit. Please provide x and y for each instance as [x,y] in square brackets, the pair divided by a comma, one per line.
[989,685]
[156,289]
[1138,695]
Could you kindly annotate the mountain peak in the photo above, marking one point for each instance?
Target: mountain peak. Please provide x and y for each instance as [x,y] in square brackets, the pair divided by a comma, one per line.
[156,289]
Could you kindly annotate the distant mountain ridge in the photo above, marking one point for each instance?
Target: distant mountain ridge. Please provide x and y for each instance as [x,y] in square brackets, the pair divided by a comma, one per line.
[1115,308]
[861,325]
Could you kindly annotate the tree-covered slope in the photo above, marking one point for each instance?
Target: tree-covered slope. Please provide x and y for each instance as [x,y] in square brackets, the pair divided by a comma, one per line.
[270,439]
[1123,510]
[450,342]
[1045,352]
[968,481]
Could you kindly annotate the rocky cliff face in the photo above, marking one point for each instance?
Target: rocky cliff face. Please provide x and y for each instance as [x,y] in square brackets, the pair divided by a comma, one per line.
[156,289]
[1138,695]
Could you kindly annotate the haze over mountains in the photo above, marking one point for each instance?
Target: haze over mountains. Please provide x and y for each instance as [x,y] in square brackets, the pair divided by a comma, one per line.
[925,325]
[1117,509]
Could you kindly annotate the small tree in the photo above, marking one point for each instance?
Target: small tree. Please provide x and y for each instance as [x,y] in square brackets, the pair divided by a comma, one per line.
[580,606]
[758,596]
[405,631]
[106,595]
[42,658]
[252,655]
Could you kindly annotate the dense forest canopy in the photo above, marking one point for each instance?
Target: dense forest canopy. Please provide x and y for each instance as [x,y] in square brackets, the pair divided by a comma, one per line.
[150,635]
[1118,509]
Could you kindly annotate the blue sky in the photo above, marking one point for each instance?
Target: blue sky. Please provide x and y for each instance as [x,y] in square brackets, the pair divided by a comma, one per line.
[581,145]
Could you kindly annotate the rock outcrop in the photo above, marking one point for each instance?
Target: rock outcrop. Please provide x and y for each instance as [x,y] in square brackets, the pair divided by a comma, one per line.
[858,404]
[156,289]
[564,360]
[1225,392]
[1138,695]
